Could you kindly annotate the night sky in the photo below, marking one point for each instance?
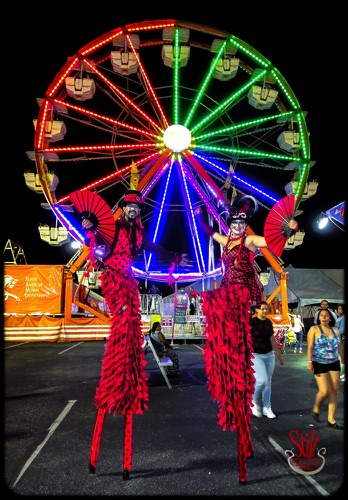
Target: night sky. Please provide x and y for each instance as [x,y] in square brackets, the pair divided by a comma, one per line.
[293,42]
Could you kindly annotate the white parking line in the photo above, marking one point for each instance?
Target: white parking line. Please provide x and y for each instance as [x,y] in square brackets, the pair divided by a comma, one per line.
[16,345]
[72,347]
[51,430]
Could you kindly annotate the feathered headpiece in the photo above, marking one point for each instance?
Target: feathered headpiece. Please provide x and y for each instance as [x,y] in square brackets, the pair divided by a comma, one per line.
[242,209]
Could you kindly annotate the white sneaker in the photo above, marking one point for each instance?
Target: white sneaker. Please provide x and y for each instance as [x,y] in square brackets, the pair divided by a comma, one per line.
[268,413]
[256,410]
[342,377]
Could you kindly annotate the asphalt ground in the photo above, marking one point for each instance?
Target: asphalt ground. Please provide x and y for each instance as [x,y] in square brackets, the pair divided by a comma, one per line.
[178,448]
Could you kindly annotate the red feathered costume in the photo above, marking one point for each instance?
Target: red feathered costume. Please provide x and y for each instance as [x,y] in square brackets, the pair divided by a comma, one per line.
[123,382]
[123,385]
[227,352]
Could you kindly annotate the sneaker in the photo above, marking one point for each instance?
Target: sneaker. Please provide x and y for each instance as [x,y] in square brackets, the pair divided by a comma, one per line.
[256,410]
[268,413]
[300,351]
[343,377]
[294,351]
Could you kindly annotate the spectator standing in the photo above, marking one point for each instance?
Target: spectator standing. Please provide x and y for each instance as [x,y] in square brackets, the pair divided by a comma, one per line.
[324,304]
[264,350]
[324,351]
[297,327]
[192,306]
[193,303]
[154,290]
[341,325]
[341,322]
[195,296]
[153,304]
[163,348]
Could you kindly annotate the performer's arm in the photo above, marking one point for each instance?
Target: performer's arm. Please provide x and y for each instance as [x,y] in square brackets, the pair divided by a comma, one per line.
[220,238]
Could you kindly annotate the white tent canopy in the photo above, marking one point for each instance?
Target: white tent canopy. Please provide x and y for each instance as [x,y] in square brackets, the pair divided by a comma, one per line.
[308,287]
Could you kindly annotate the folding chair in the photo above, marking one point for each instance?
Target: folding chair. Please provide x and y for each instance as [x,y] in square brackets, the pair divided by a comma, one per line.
[161,362]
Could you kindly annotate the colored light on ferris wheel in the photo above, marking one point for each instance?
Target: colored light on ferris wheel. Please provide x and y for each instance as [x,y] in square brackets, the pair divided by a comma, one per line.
[177,138]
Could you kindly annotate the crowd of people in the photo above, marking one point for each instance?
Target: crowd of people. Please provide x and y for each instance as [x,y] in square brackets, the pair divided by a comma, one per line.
[240,347]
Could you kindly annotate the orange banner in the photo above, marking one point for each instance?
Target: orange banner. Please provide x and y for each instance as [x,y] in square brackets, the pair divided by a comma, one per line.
[33,289]
[47,329]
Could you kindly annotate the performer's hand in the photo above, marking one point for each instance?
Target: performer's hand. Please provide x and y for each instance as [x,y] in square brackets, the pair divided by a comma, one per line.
[293,224]
[290,228]
[86,223]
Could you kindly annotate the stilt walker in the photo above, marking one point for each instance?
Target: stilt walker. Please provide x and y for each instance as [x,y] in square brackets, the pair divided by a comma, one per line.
[228,349]
[123,385]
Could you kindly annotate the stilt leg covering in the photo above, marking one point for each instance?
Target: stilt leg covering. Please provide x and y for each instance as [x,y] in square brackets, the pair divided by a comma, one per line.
[98,429]
[228,362]
[127,443]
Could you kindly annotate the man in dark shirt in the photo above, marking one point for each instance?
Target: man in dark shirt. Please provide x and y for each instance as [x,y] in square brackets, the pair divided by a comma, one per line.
[324,304]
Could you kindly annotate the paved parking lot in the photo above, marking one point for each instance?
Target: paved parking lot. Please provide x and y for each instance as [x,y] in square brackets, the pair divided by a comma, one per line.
[178,449]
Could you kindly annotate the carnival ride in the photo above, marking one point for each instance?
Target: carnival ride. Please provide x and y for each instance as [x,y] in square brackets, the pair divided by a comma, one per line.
[186,113]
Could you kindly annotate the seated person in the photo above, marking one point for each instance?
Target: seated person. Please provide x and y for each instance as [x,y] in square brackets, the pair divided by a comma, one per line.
[163,348]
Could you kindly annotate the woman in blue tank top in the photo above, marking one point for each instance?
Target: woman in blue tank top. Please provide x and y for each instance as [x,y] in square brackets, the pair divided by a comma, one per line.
[325,354]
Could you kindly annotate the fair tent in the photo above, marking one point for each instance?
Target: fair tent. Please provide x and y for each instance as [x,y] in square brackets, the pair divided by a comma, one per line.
[310,286]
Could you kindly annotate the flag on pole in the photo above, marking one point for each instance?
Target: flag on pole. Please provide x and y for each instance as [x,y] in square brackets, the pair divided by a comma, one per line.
[337,213]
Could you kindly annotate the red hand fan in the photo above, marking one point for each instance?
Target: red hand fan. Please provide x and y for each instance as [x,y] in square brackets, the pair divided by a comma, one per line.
[277,230]
[91,206]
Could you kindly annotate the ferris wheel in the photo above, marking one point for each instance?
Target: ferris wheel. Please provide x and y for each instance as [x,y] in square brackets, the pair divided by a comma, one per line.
[186,113]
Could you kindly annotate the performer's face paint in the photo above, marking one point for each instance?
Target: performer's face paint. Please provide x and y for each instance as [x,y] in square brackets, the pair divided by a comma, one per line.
[238,228]
[131,211]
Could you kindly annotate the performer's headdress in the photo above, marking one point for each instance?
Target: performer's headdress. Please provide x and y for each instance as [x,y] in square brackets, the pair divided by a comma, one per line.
[242,209]
[132,196]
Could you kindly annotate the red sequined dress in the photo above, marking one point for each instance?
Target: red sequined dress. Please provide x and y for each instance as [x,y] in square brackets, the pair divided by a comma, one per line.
[227,352]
